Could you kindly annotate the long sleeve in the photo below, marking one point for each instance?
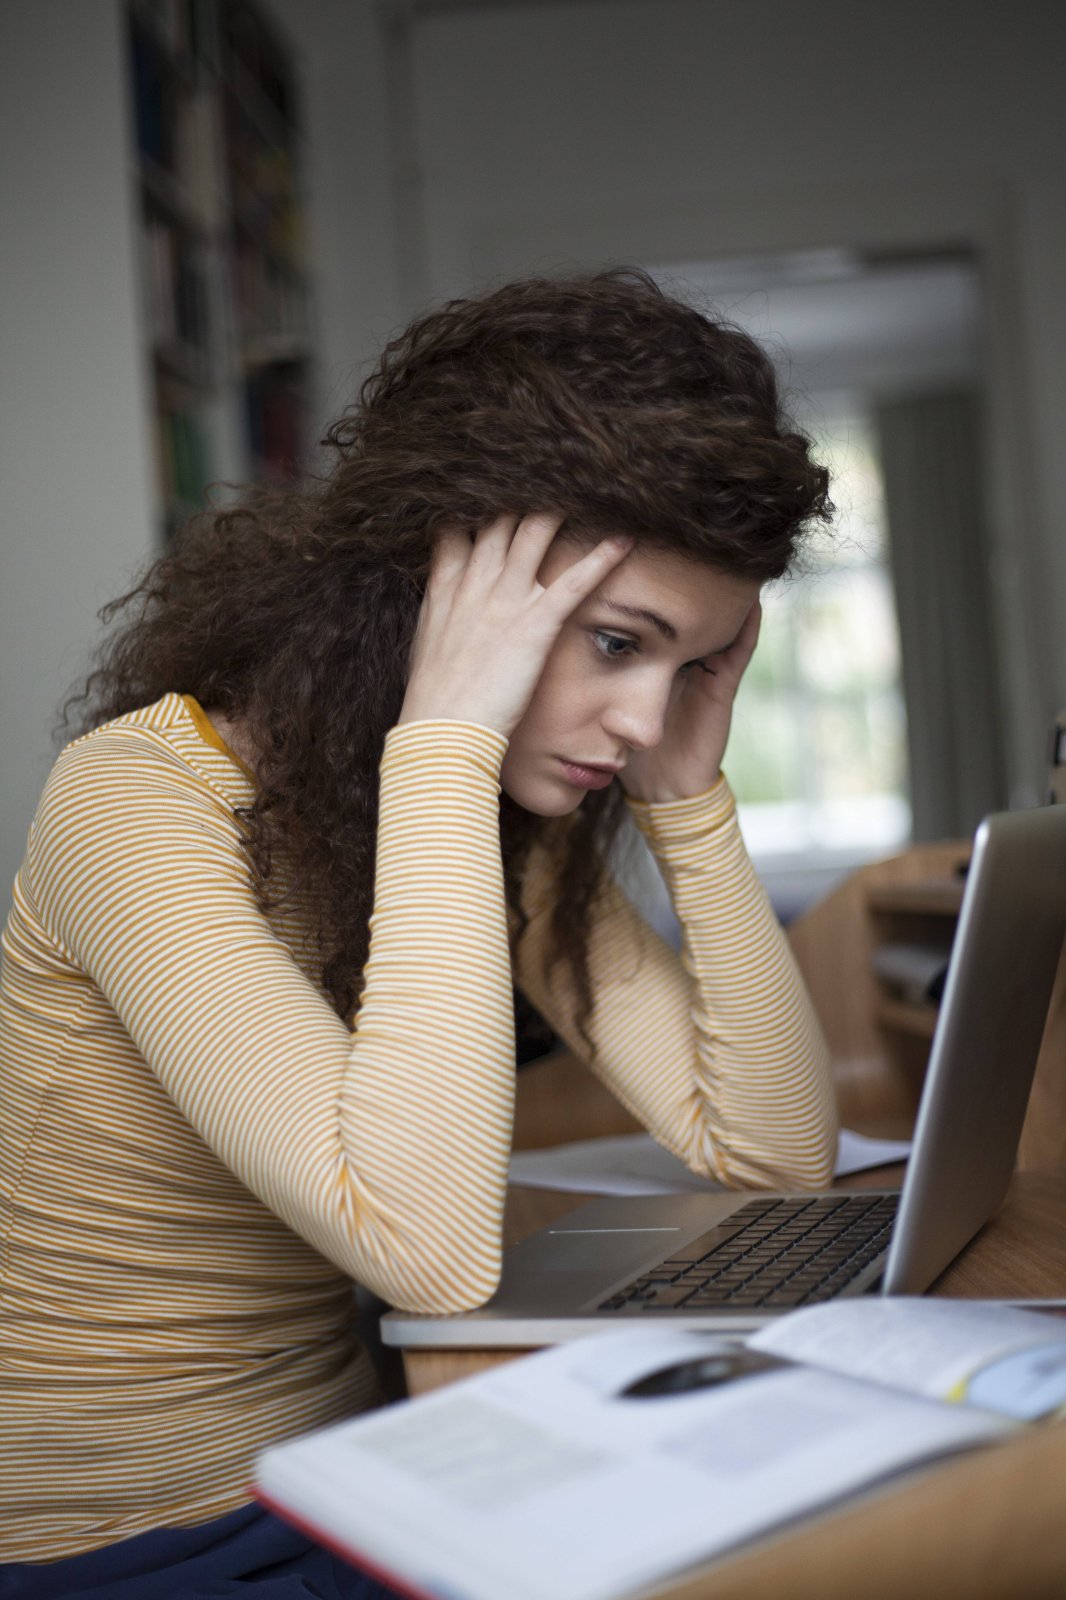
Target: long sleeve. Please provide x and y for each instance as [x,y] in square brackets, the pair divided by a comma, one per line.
[717,1052]
[385,1149]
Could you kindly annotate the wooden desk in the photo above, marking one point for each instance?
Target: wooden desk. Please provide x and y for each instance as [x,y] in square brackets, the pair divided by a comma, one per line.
[989,1526]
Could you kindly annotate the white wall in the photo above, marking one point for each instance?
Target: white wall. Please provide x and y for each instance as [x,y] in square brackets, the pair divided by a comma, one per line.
[511,137]
[659,130]
[76,499]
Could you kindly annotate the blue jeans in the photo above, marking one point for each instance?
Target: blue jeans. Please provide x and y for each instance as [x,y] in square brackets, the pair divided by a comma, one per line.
[248,1553]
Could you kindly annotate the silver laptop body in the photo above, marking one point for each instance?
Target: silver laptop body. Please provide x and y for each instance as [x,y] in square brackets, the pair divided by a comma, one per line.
[1003,965]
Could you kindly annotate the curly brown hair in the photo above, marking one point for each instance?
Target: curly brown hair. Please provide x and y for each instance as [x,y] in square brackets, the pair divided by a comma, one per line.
[599,398]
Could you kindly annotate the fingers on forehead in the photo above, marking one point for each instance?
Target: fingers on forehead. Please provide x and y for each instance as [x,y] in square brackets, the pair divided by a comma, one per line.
[499,531]
[533,537]
[451,550]
[586,574]
[543,524]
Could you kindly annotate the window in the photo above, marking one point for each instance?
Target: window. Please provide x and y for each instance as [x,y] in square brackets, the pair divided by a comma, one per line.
[817,753]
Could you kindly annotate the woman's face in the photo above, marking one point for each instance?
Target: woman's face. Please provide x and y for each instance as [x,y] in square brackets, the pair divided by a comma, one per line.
[615,669]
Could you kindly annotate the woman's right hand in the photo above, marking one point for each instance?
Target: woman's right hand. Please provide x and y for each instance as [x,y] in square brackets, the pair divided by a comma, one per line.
[487,625]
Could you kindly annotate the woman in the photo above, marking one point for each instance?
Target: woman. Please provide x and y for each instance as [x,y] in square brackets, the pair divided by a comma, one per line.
[258,976]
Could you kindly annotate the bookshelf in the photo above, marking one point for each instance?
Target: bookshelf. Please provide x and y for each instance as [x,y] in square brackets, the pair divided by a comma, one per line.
[880,1039]
[216,169]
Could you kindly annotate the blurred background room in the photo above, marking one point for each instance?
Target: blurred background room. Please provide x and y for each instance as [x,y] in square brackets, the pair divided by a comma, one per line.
[216,211]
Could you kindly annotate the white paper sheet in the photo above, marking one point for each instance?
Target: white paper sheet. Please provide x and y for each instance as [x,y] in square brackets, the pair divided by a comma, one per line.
[634,1164]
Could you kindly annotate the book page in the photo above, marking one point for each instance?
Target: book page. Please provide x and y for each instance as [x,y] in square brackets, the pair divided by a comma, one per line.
[590,1470]
[976,1352]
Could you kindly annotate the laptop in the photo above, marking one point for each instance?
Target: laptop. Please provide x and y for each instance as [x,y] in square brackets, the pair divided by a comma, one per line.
[732,1261]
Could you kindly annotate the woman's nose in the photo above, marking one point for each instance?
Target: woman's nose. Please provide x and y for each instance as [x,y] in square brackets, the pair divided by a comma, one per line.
[638,718]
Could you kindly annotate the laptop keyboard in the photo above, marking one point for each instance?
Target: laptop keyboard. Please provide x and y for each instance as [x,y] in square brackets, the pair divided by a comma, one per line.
[773,1253]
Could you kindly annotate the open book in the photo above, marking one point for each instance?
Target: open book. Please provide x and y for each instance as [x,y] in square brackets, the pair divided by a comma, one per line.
[595,1469]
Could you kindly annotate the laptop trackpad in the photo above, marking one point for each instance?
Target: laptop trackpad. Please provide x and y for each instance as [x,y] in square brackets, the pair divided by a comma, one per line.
[609,1251]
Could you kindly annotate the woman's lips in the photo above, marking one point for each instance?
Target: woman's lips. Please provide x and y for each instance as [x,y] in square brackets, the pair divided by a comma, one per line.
[587,777]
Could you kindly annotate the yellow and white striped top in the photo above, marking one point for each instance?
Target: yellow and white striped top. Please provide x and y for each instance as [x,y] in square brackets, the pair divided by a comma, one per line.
[196,1155]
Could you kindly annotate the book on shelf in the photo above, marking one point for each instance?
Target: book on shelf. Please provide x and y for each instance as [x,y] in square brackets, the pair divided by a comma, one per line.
[258,58]
[172,24]
[196,162]
[176,298]
[1057,761]
[273,411]
[155,95]
[595,1469]
[184,467]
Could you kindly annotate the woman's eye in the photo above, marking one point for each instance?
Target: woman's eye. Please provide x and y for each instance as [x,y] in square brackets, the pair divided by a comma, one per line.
[612,645]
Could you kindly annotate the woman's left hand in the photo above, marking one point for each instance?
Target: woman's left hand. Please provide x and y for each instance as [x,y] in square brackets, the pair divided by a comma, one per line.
[688,759]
